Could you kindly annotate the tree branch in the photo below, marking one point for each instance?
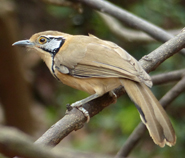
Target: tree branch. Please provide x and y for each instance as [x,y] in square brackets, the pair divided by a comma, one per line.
[124,16]
[168,77]
[151,61]
[129,19]
[14,142]
[125,33]
[128,35]
[75,119]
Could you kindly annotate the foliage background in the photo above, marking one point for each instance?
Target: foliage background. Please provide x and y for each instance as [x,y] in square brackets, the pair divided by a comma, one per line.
[106,132]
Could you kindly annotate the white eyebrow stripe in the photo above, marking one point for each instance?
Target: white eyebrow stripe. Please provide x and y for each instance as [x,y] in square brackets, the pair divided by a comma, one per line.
[49,36]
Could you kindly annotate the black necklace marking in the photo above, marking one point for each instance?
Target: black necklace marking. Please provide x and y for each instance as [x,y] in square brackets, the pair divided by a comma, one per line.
[52,68]
[52,46]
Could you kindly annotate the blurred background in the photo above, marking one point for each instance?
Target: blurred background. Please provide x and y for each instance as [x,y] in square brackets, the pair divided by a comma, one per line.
[31,99]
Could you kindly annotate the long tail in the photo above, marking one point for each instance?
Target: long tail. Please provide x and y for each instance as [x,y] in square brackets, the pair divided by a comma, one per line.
[151,112]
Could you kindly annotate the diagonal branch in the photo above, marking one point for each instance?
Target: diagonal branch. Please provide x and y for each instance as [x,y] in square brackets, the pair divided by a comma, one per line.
[128,18]
[14,142]
[168,77]
[151,61]
[126,34]
[75,119]
[140,129]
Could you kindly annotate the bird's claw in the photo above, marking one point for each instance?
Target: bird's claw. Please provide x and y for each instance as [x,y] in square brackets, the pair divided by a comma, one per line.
[85,112]
[82,109]
[69,107]
[113,95]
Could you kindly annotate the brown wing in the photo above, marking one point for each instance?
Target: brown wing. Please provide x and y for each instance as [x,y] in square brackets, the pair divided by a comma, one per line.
[97,58]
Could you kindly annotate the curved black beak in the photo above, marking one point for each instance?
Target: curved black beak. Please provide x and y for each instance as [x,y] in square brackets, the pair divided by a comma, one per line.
[23,43]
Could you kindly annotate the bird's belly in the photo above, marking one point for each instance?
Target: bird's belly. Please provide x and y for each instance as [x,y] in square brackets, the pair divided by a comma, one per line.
[90,85]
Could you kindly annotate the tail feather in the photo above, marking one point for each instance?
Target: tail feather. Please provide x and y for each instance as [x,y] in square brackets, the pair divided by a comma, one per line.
[151,112]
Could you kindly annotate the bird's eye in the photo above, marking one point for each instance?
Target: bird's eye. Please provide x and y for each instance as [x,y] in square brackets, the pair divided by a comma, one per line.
[42,40]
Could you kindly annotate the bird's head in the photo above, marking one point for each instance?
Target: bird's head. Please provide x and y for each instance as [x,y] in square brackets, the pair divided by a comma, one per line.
[48,41]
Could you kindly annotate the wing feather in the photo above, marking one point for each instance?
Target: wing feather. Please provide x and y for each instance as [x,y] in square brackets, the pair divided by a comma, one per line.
[103,59]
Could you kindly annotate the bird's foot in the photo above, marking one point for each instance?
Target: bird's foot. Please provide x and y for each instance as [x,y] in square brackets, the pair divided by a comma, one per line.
[78,105]
[114,96]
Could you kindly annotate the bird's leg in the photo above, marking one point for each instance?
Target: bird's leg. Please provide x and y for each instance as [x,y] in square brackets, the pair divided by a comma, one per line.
[79,104]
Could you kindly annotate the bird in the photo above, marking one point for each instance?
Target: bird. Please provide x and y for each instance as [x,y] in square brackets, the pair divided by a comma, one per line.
[97,66]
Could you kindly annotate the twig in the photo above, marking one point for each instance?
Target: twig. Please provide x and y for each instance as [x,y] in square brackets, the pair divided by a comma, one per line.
[126,34]
[75,119]
[114,25]
[140,129]
[156,57]
[149,62]
[14,142]
[132,141]
[173,93]
[128,18]
[64,126]
[168,77]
